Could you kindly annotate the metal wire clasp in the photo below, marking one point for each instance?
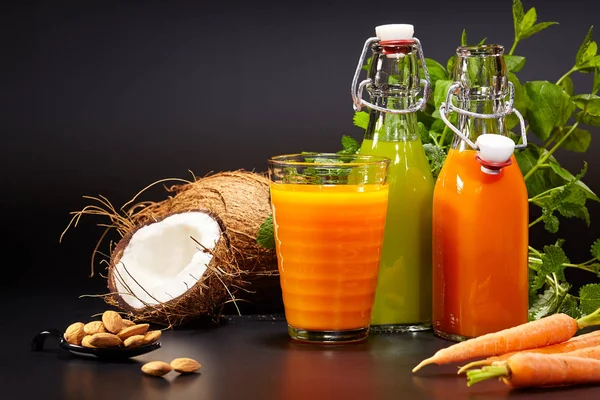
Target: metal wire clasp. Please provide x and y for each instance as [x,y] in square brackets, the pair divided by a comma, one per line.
[447,107]
[357,89]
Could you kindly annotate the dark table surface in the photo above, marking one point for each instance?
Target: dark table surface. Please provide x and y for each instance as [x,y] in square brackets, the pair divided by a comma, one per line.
[248,357]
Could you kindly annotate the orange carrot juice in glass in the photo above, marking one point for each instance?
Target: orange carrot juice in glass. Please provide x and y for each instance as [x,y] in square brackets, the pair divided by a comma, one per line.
[329,216]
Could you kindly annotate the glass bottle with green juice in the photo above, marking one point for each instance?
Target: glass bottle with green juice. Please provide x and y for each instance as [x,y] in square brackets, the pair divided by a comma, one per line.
[403,295]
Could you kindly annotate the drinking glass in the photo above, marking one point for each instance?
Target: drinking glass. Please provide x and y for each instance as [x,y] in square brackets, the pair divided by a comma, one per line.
[329,216]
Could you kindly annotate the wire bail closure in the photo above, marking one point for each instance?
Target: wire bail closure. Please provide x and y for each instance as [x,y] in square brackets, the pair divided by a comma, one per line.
[447,107]
[357,89]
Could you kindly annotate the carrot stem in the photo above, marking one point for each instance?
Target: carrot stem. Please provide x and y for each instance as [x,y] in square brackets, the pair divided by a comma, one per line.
[589,320]
[485,373]
[473,364]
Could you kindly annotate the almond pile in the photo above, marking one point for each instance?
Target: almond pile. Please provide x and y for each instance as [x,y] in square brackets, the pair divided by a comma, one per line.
[111,331]
[182,365]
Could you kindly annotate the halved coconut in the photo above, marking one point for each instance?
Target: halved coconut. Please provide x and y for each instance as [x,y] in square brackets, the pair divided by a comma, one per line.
[164,270]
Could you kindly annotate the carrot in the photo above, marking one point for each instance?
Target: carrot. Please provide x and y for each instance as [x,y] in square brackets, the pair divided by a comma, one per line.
[575,343]
[587,352]
[555,328]
[540,370]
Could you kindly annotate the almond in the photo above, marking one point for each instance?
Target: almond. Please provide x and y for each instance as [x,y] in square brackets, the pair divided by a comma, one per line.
[185,365]
[133,330]
[156,368]
[127,323]
[104,339]
[152,336]
[74,333]
[85,342]
[112,321]
[94,327]
[134,341]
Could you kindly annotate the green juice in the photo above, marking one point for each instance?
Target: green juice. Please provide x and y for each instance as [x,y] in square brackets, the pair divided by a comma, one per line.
[403,296]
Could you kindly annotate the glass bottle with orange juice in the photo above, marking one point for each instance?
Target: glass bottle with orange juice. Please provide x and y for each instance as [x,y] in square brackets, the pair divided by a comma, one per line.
[480,207]
[403,295]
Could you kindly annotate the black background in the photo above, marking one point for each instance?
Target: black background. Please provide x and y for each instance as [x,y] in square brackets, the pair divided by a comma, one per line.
[107,97]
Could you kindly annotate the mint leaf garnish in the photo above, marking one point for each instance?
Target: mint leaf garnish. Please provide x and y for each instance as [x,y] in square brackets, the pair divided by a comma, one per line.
[266,235]
[349,145]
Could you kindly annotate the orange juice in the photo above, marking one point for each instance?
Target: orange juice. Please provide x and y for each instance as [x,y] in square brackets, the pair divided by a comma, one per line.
[480,237]
[328,241]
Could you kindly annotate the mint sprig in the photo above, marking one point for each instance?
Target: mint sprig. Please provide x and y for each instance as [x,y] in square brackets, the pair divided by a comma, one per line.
[266,234]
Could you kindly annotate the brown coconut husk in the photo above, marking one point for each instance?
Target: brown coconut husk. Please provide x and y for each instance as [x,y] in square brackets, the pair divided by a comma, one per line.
[240,270]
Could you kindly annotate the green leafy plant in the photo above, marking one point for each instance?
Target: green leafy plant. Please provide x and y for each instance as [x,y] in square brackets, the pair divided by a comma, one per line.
[556,115]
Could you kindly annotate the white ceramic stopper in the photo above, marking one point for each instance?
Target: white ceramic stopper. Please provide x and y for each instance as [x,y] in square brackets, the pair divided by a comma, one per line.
[395,32]
[495,148]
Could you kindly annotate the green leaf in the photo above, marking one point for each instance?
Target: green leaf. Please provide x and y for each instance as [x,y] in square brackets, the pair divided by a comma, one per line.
[482,41]
[552,261]
[573,206]
[450,65]
[567,176]
[595,249]
[517,11]
[436,70]
[588,58]
[569,307]
[438,125]
[588,119]
[548,106]
[514,63]
[266,236]
[520,101]
[550,302]
[582,53]
[589,298]
[546,304]
[367,65]
[350,145]
[567,85]
[596,80]
[590,65]
[441,91]
[551,222]
[436,157]
[536,28]
[425,116]
[569,200]
[361,119]
[424,133]
[590,104]
[528,21]
[463,38]
[527,159]
[578,141]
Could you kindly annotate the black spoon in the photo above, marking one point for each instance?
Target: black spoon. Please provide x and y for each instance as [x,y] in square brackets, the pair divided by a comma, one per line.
[107,354]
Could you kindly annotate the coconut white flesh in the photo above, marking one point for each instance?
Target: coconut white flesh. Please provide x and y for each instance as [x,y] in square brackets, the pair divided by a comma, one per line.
[162,261]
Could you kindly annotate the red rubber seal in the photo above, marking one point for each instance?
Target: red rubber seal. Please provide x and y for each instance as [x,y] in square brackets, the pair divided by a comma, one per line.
[396,46]
[493,165]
